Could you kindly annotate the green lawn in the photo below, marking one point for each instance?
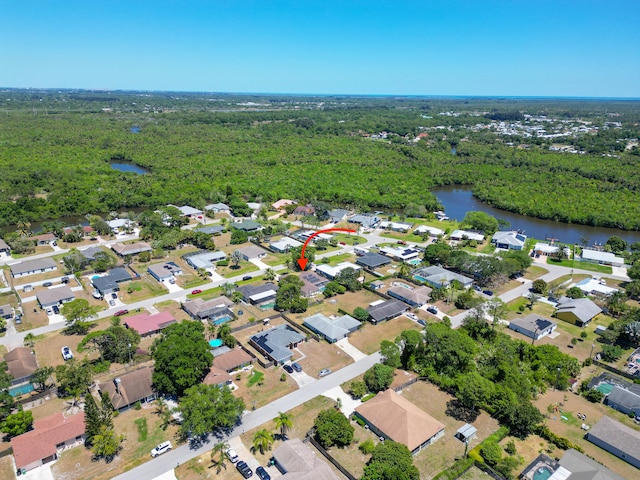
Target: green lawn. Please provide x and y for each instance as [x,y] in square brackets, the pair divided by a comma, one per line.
[592,267]
[349,238]
[407,237]
[336,259]
[245,267]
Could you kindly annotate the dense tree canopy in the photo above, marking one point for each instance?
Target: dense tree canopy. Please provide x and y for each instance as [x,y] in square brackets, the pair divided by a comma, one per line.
[206,408]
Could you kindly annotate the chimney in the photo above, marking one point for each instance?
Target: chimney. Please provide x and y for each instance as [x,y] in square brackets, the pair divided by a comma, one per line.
[117,381]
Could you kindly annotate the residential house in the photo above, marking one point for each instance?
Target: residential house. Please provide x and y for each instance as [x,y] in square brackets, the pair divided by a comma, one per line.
[578,311]
[218,208]
[617,439]
[602,258]
[49,438]
[439,277]
[212,310]
[232,360]
[305,210]
[90,253]
[188,211]
[573,465]
[6,312]
[124,249]
[44,239]
[402,254]
[284,245]
[278,342]
[403,227]
[297,461]
[533,326]
[332,329]
[282,203]
[211,229]
[55,296]
[466,235]
[127,389]
[372,260]
[148,324]
[32,267]
[393,417]
[259,294]
[382,310]
[337,215]
[21,363]
[331,272]
[4,247]
[511,240]
[218,378]
[204,259]
[365,220]
[542,248]
[164,271]
[110,283]
[592,286]
[314,284]
[431,231]
[118,224]
[624,401]
[248,226]
[252,252]
[415,297]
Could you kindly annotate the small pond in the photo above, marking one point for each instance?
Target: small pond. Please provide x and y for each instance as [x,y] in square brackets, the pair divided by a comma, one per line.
[128,167]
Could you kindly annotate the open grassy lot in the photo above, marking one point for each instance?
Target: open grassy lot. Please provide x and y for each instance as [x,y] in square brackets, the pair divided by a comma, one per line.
[76,464]
[534,271]
[319,355]
[34,317]
[592,267]
[229,271]
[336,259]
[273,259]
[368,338]
[349,238]
[573,404]
[256,394]
[141,289]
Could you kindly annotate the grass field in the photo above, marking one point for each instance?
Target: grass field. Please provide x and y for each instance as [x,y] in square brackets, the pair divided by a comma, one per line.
[368,338]
[592,267]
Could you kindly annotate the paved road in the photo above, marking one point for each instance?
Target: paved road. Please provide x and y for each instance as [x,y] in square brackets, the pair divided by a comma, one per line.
[253,419]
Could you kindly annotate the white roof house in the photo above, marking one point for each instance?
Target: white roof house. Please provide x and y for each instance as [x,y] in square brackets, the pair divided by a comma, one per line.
[605,258]
[511,240]
[545,248]
[284,245]
[433,231]
[592,286]
[461,234]
[332,271]
[400,253]
[396,226]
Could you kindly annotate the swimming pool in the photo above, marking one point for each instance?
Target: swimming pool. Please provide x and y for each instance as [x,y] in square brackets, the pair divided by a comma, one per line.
[21,390]
[419,278]
[605,388]
[221,320]
[415,261]
[542,473]
[214,343]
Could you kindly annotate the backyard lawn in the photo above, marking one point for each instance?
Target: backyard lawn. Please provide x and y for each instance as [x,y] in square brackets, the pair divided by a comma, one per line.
[368,338]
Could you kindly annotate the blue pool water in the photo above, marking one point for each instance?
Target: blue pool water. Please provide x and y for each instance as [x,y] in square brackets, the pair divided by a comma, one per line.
[21,390]
[216,342]
[542,473]
[415,261]
[419,278]
[221,320]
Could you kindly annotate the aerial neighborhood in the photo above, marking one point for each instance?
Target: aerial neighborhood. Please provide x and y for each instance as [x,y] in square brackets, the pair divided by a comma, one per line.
[120,339]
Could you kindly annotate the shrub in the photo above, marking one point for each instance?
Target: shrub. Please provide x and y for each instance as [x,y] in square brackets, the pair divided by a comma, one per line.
[594,395]
[491,453]
[583,334]
[223,263]
[283,377]
[510,448]
[367,397]
[367,447]
[137,405]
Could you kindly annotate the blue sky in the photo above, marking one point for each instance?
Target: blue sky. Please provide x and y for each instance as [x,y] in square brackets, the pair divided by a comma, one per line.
[444,47]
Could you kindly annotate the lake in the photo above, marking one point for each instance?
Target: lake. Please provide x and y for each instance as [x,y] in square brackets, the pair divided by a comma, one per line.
[129,167]
[457,200]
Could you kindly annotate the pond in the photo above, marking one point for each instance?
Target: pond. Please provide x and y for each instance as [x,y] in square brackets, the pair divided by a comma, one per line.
[457,200]
[129,167]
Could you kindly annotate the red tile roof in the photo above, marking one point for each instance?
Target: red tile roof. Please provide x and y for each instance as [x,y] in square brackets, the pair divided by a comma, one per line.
[48,432]
[146,323]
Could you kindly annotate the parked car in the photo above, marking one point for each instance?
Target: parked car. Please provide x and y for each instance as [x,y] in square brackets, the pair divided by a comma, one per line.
[55,309]
[488,293]
[66,353]
[161,448]
[324,372]
[64,280]
[196,291]
[422,322]
[27,288]
[232,455]
[96,294]
[412,316]
[247,277]
[120,312]
[49,311]
[114,295]
[244,469]
[287,368]
[112,303]
[262,473]
[172,281]
[432,310]
[296,367]
[47,284]
[18,319]
[477,288]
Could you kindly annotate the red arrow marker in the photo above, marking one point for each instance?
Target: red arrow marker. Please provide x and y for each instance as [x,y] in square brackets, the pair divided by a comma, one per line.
[302,262]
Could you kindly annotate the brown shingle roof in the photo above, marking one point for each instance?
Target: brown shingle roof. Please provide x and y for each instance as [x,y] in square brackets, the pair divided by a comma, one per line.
[21,362]
[41,442]
[399,419]
[216,376]
[133,386]
[232,360]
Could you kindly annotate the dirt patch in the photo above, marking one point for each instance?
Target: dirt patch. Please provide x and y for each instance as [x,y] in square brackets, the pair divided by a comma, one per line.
[268,389]
[368,338]
[319,355]
[7,467]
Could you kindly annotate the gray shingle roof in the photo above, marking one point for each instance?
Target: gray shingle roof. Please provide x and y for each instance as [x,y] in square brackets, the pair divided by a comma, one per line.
[111,281]
[387,310]
[373,260]
[618,435]
[583,468]
[625,398]
[583,308]
[332,329]
[32,265]
[275,341]
[54,295]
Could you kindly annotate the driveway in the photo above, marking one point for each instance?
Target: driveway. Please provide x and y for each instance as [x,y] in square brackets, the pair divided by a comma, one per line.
[172,287]
[41,473]
[348,404]
[261,265]
[349,349]
[302,378]
[170,475]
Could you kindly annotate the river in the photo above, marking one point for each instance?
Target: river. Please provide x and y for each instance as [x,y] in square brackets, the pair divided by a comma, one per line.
[457,200]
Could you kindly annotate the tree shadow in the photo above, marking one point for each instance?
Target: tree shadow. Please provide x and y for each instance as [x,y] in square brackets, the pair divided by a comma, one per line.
[456,410]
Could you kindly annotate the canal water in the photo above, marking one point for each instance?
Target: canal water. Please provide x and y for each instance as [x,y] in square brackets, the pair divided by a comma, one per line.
[457,200]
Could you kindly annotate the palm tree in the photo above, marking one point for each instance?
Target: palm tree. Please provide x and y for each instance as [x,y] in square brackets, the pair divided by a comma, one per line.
[262,440]
[218,455]
[75,403]
[284,423]
[269,274]
[533,298]
[228,289]
[404,270]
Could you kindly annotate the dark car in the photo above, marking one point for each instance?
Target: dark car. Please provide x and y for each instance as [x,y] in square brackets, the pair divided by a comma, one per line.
[247,277]
[432,310]
[47,284]
[64,280]
[422,322]
[262,473]
[296,367]
[244,469]
[114,295]
[287,368]
[56,310]
[488,293]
